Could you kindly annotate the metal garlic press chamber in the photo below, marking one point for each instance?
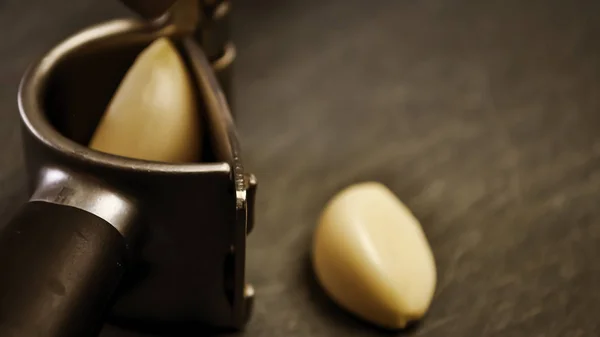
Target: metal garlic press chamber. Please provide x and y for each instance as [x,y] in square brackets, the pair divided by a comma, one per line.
[143,243]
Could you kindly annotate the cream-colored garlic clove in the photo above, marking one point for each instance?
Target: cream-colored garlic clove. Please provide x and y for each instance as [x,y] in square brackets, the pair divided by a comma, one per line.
[371,256]
[153,114]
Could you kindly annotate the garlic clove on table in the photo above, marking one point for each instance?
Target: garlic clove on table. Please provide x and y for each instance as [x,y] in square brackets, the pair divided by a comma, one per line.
[153,114]
[371,256]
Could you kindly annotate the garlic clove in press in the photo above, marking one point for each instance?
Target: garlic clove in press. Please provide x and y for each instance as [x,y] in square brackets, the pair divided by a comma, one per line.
[153,114]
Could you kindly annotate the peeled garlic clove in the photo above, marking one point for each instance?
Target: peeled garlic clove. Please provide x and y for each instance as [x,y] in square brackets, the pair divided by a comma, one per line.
[153,114]
[372,257]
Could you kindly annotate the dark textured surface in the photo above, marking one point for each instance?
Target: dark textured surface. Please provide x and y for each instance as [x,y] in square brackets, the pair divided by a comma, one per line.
[482,116]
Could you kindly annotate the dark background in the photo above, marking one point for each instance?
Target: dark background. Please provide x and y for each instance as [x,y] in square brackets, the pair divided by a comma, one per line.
[483,117]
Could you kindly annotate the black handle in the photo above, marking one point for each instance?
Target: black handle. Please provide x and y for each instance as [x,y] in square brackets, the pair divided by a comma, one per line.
[59,267]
